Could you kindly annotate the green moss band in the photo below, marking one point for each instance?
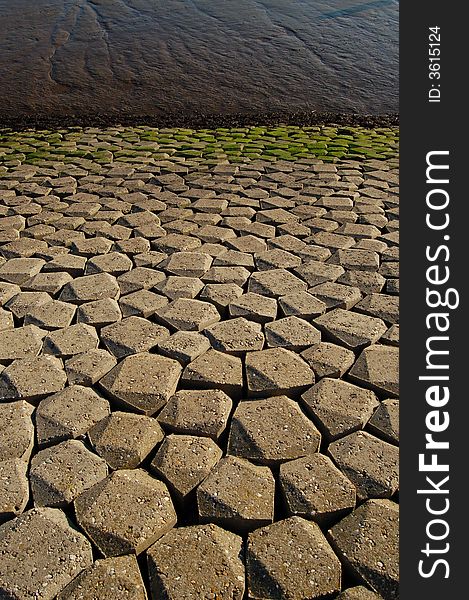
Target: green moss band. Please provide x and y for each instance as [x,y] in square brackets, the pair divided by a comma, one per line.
[120,143]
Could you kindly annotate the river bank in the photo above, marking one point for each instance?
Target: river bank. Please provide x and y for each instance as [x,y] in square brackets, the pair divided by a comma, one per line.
[179,61]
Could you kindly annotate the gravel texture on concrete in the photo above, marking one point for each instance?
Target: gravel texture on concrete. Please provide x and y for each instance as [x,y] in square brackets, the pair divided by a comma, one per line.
[199,391]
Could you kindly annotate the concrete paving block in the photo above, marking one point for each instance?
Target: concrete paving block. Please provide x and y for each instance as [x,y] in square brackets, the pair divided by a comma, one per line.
[14,491]
[197,412]
[277,371]
[184,461]
[273,568]
[314,488]
[211,559]
[124,440]
[17,431]
[215,370]
[88,368]
[339,407]
[132,335]
[123,527]
[376,522]
[142,382]
[107,579]
[69,414]
[61,473]
[371,464]
[55,555]
[271,431]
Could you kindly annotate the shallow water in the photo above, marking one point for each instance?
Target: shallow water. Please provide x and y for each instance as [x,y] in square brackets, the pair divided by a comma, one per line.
[60,58]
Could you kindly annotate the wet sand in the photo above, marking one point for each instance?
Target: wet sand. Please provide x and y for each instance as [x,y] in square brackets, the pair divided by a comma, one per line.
[178,61]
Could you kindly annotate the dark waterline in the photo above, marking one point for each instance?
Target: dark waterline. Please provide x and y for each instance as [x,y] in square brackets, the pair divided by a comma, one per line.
[173,61]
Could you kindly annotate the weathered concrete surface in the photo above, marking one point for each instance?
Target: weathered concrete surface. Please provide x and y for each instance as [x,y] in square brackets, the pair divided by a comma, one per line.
[273,568]
[374,524]
[202,561]
[53,555]
[194,341]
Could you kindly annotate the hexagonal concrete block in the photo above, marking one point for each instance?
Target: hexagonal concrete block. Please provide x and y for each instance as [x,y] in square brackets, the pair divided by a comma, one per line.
[184,346]
[377,368]
[366,281]
[114,263]
[51,315]
[140,278]
[88,368]
[313,488]
[61,473]
[221,294]
[142,303]
[273,568]
[51,282]
[90,288]
[125,513]
[248,243]
[385,421]
[32,378]
[371,464]
[143,382]
[236,336]
[254,307]
[356,259]
[201,561]
[24,342]
[316,272]
[233,258]
[24,302]
[75,265]
[382,306]
[237,494]
[275,283]
[189,264]
[71,340]
[277,371]
[107,579]
[99,313]
[19,270]
[69,414]
[175,287]
[302,305]
[339,407]
[124,440]
[17,431]
[236,275]
[197,412]
[175,242]
[56,555]
[132,335]
[328,360]
[350,329]
[291,333]
[336,295]
[272,431]
[14,491]
[215,370]
[92,246]
[189,315]
[183,461]
[276,259]
[375,525]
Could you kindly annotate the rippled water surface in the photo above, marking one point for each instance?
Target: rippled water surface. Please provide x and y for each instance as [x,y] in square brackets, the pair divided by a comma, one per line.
[158,57]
